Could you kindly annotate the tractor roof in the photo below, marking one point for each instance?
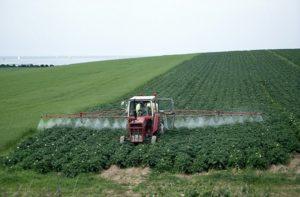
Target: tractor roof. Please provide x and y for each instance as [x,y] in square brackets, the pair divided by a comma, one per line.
[142,98]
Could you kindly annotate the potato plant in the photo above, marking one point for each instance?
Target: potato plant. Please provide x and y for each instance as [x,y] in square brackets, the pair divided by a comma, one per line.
[73,151]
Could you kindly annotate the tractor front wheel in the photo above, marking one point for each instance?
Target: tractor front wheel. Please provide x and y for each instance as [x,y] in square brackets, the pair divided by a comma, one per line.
[153,139]
[162,128]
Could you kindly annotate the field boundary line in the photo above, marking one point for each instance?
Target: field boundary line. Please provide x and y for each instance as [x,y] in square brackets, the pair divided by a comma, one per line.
[284,59]
[137,90]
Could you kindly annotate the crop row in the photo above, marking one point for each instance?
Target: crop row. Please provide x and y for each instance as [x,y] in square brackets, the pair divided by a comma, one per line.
[73,151]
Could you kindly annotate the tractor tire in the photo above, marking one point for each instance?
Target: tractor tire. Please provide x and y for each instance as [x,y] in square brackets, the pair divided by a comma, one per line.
[122,139]
[153,139]
[162,128]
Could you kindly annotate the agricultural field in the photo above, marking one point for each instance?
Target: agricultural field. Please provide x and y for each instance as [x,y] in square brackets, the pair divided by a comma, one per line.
[26,93]
[291,56]
[233,158]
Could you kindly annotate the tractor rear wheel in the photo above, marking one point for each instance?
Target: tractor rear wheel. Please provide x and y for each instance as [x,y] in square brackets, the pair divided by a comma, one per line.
[122,139]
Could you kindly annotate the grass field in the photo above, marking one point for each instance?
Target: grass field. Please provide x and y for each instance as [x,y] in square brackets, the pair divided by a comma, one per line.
[266,81]
[28,93]
[14,182]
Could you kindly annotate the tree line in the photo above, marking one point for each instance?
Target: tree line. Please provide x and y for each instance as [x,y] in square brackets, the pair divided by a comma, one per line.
[25,65]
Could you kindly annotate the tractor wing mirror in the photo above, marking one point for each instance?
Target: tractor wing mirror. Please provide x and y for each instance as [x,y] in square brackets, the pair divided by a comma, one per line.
[165,105]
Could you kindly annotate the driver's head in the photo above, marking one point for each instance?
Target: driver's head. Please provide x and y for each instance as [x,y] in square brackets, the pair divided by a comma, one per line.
[148,104]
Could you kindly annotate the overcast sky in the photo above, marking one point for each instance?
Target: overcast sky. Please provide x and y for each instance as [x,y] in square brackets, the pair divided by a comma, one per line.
[146,27]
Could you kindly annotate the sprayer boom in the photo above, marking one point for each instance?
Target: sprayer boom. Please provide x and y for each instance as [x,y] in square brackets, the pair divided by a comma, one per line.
[98,114]
[145,116]
[185,112]
[122,114]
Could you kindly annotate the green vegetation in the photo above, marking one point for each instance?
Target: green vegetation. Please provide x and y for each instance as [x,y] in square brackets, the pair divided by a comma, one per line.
[227,81]
[74,151]
[236,81]
[28,93]
[214,183]
[292,55]
[222,183]
[15,182]
[265,81]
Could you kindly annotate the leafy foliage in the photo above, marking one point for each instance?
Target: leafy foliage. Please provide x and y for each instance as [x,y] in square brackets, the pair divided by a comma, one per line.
[72,151]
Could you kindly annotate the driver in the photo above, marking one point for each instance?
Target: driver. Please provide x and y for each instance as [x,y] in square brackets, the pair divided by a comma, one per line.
[138,109]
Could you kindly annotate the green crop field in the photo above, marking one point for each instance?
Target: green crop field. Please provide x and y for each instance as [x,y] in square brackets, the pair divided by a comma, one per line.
[27,93]
[266,81]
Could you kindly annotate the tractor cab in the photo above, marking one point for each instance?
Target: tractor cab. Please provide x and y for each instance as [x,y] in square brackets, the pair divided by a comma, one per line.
[142,106]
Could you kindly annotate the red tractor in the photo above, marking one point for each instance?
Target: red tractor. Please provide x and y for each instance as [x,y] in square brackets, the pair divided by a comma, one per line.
[145,116]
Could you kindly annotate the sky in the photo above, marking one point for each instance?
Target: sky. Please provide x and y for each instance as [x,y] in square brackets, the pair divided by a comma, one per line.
[145,27]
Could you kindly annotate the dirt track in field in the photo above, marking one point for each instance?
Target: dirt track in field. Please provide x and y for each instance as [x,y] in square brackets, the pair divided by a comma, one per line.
[132,176]
[294,166]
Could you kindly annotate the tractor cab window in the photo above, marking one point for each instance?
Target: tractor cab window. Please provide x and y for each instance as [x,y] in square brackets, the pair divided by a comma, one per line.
[140,108]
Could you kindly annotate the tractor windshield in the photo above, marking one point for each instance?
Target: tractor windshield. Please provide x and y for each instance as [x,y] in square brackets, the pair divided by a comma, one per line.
[140,108]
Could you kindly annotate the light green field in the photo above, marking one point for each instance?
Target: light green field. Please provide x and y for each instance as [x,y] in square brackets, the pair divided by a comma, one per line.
[27,93]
